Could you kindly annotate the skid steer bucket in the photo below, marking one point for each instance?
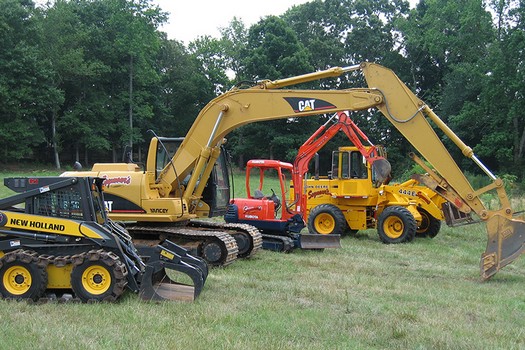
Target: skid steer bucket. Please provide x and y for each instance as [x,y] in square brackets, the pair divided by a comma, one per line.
[314,241]
[506,241]
[160,280]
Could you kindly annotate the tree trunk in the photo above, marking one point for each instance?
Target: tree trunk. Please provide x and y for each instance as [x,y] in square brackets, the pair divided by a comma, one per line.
[519,146]
[86,156]
[131,102]
[54,138]
[241,161]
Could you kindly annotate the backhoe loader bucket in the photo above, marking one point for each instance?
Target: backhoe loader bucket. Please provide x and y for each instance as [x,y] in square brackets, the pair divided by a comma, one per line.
[382,169]
[315,241]
[159,281]
[506,241]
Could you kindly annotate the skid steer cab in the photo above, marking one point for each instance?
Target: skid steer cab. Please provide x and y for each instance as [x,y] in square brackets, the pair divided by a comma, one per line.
[273,215]
[57,242]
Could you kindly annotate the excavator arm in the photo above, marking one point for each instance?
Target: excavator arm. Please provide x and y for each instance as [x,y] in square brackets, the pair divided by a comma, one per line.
[269,100]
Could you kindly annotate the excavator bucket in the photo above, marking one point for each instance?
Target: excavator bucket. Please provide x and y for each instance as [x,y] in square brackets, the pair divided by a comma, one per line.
[315,241]
[160,280]
[382,169]
[506,241]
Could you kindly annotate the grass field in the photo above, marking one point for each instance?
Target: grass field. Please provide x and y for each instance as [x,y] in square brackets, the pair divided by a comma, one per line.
[367,295]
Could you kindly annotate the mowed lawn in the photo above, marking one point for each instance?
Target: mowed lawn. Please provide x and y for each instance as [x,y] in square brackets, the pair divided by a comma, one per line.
[427,294]
[367,295]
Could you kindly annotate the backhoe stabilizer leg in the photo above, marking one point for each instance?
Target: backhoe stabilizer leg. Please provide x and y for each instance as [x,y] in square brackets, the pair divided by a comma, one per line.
[506,241]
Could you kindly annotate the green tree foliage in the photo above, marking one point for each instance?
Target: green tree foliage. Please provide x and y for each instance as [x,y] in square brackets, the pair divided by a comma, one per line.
[447,45]
[272,51]
[347,32]
[103,53]
[26,89]
[185,89]
[496,120]
[234,38]
[76,73]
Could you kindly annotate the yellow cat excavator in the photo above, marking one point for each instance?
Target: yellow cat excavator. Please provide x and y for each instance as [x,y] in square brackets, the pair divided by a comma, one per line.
[174,194]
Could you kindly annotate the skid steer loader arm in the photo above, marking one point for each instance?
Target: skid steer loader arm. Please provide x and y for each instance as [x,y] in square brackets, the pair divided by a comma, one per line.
[165,263]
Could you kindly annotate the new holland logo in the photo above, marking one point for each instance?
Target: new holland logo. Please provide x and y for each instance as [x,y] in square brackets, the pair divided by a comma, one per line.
[300,104]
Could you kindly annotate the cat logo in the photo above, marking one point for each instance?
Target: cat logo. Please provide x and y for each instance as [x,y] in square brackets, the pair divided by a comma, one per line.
[308,104]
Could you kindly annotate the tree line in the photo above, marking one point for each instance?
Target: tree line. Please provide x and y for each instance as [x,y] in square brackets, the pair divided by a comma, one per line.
[81,79]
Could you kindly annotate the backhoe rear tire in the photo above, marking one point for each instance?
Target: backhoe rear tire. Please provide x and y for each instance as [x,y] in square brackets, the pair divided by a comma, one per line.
[429,226]
[326,219]
[396,225]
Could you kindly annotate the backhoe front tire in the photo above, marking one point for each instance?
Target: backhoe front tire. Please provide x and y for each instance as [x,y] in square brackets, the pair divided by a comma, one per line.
[396,225]
[429,226]
[326,219]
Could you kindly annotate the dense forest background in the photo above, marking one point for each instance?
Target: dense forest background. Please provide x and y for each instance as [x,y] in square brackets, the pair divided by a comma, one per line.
[81,79]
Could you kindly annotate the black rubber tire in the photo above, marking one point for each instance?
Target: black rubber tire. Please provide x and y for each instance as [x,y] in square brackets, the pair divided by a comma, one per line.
[326,219]
[101,276]
[396,225]
[429,227]
[21,267]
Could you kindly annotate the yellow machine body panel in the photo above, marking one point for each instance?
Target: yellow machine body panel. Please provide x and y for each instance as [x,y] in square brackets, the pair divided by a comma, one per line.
[134,187]
[47,224]
[59,277]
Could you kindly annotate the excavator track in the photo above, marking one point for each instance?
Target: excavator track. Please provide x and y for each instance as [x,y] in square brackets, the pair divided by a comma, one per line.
[249,239]
[215,247]
[278,243]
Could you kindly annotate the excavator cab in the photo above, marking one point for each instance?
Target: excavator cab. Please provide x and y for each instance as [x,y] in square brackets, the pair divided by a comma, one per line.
[216,194]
